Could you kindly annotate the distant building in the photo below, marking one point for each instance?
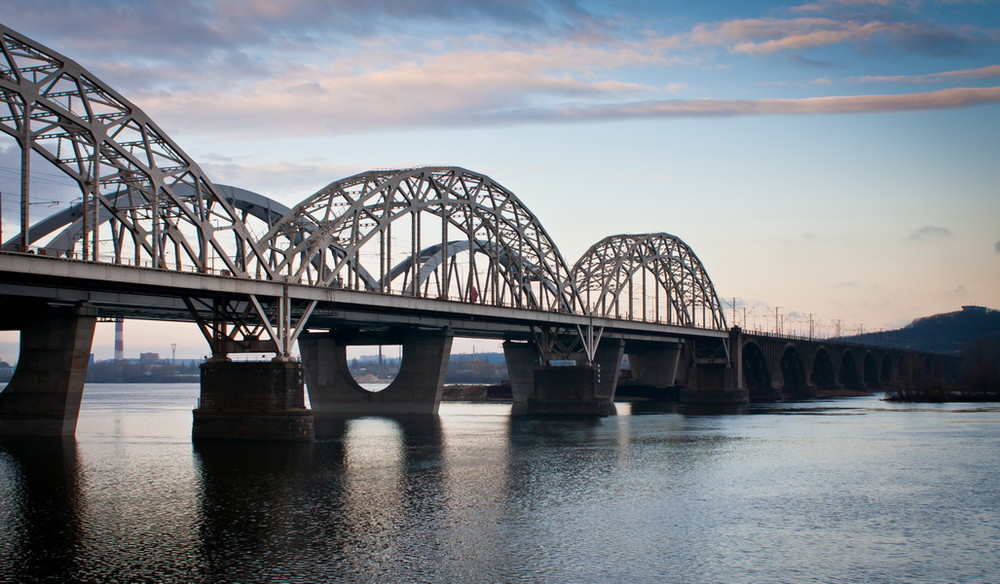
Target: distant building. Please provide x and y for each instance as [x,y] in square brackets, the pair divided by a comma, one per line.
[149,357]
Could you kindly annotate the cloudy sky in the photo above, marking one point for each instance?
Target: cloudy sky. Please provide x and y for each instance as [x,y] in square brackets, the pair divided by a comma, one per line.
[836,158]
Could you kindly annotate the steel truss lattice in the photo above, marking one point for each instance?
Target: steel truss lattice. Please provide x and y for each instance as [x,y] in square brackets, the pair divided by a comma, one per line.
[144,201]
[652,277]
[434,232]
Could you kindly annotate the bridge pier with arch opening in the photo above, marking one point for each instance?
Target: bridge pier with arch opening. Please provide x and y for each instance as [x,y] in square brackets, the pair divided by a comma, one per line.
[416,389]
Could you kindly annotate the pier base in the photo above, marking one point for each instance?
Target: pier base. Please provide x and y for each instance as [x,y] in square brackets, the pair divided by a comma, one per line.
[43,397]
[252,401]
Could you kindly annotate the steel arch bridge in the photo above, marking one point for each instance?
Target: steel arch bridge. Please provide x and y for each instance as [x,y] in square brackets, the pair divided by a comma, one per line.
[435,232]
[441,232]
[650,277]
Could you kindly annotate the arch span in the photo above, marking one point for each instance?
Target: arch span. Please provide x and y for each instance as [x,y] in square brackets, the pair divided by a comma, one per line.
[755,373]
[654,277]
[848,375]
[822,374]
[435,232]
[794,374]
[144,201]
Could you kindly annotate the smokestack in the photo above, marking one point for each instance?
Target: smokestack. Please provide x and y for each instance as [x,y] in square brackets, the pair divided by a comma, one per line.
[119,340]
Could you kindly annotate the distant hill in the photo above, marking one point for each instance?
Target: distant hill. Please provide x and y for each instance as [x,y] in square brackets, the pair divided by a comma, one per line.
[941,333]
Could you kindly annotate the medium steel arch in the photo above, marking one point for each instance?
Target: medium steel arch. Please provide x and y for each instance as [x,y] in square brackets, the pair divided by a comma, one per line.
[403,227]
[162,210]
[652,277]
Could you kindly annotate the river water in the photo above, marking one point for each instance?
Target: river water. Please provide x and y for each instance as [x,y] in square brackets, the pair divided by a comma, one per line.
[833,491]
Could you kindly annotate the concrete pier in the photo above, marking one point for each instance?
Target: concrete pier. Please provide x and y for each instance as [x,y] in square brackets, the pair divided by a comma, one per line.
[714,375]
[416,389]
[43,397]
[581,389]
[252,401]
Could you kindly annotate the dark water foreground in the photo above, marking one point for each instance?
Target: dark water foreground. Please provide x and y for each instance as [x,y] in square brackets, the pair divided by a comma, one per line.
[849,490]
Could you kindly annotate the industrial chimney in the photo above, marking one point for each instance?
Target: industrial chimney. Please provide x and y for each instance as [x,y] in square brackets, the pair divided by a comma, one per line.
[119,340]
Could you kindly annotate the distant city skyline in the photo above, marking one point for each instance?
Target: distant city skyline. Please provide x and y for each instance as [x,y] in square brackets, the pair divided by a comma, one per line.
[829,161]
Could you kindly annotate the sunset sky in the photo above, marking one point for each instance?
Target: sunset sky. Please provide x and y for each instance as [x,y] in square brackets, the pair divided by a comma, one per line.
[836,158]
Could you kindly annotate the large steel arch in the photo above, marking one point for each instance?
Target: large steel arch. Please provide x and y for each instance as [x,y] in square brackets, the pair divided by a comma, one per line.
[160,208]
[652,277]
[436,232]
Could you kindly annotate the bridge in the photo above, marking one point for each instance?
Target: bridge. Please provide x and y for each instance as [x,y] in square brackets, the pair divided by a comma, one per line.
[413,257]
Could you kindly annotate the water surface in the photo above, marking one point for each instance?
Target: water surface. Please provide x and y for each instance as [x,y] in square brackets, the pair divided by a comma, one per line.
[849,490]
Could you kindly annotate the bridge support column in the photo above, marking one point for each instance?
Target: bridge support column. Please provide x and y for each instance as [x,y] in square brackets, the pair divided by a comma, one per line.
[416,389]
[712,379]
[43,397]
[521,359]
[252,401]
[581,389]
[655,372]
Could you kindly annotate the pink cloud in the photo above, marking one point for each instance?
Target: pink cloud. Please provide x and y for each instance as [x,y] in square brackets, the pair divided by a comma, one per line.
[988,72]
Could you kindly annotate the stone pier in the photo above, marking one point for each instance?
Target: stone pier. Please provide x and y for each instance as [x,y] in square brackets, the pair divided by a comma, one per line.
[43,397]
[714,374]
[578,389]
[252,400]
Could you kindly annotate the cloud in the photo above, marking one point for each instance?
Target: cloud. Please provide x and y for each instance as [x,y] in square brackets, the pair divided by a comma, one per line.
[930,232]
[988,72]
[419,97]
[247,67]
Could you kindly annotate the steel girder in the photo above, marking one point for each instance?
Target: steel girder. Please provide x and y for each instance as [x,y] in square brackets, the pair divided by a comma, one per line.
[651,277]
[144,201]
[434,232]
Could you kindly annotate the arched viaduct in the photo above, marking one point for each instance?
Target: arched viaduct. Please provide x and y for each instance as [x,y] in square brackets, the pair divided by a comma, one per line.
[774,368]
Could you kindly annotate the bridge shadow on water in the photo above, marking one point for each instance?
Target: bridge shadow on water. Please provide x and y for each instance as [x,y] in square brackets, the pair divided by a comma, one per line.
[43,484]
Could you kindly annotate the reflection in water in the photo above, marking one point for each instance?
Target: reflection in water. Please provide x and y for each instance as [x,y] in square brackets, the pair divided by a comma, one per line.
[790,493]
[40,508]
[249,495]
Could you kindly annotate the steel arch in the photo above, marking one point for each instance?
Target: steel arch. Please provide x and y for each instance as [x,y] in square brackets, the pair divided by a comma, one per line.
[62,231]
[652,277]
[397,232]
[162,210]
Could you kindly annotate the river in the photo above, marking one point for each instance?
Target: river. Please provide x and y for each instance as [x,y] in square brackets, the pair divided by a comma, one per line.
[852,490]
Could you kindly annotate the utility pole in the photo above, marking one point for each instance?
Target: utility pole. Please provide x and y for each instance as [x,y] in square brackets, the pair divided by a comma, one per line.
[777,320]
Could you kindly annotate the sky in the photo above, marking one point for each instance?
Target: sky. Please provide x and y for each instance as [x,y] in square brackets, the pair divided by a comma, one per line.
[833,161]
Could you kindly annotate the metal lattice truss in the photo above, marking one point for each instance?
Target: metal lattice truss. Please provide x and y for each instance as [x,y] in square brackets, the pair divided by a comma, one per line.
[651,277]
[435,232]
[438,232]
[144,201]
